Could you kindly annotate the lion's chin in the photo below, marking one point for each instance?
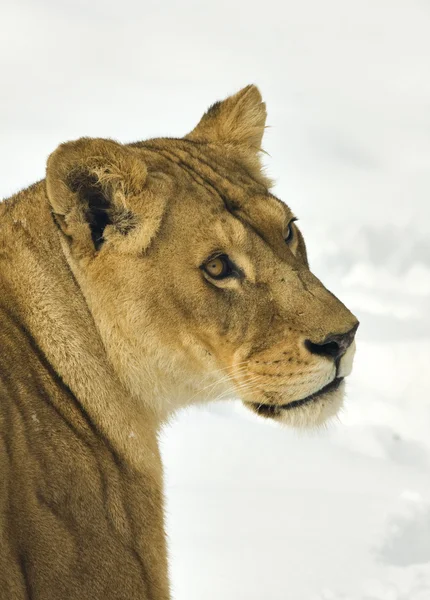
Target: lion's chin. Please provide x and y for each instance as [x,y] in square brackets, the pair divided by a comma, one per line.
[311,411]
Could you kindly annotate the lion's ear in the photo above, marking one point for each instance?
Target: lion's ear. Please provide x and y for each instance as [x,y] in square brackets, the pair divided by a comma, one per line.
[238,120]
[88,184]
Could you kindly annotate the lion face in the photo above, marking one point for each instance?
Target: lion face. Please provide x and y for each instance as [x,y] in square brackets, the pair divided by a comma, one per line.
[197,276]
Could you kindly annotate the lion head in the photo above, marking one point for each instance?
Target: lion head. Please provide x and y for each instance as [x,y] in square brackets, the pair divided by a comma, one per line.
[196,274]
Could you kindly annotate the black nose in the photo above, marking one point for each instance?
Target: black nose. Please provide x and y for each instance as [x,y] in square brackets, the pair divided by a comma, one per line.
[335,345]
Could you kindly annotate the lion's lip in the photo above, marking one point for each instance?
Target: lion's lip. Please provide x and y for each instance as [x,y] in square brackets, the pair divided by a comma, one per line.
[267,409]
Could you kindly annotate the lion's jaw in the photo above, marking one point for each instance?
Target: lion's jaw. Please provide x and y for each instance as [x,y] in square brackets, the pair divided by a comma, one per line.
[313,404]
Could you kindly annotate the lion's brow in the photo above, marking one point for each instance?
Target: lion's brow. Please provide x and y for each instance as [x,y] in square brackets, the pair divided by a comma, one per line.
[200,158]
[286,211]
[197,176]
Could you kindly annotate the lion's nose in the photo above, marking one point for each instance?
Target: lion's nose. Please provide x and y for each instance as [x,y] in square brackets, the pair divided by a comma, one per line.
[335,345]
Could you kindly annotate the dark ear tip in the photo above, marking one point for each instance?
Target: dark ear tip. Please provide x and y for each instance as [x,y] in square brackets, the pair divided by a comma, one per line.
[81,179]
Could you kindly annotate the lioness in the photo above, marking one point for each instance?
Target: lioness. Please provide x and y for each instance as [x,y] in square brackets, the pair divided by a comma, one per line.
[136,279]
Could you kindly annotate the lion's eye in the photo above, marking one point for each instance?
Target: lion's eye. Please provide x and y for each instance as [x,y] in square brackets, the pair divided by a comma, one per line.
[289,234]
[219,267]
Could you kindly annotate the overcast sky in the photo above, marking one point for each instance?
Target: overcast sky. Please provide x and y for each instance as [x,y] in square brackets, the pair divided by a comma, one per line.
[346,84]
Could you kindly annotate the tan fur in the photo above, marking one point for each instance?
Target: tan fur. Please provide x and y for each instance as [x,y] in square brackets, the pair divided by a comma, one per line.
[109,323]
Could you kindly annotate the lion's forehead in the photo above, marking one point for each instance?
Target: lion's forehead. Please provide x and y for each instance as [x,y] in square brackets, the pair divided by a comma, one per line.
[214,184]
[211,166]
[211,161]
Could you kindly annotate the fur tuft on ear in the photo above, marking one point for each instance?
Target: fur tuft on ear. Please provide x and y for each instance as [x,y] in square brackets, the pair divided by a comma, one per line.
[88,182]
[240,120]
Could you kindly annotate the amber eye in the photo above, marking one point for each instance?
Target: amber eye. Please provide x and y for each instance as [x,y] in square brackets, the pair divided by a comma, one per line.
[219,267]
[289,234]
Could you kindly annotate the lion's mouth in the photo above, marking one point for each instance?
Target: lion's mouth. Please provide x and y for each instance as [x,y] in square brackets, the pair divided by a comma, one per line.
[273,409]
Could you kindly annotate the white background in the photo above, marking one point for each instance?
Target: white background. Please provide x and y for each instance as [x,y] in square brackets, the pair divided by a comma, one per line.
[256,512]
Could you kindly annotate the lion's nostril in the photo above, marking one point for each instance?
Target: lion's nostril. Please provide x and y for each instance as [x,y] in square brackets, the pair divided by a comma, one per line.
[325,349]
[334,346]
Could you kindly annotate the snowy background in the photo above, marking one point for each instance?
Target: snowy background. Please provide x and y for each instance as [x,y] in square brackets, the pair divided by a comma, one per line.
[256,512]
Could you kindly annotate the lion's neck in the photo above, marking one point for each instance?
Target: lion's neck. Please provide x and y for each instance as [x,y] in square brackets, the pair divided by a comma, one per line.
[41,291]
[39,294]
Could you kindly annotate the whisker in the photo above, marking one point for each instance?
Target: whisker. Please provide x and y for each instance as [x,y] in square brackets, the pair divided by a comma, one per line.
[244,386]
[222,379]
[243,362]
